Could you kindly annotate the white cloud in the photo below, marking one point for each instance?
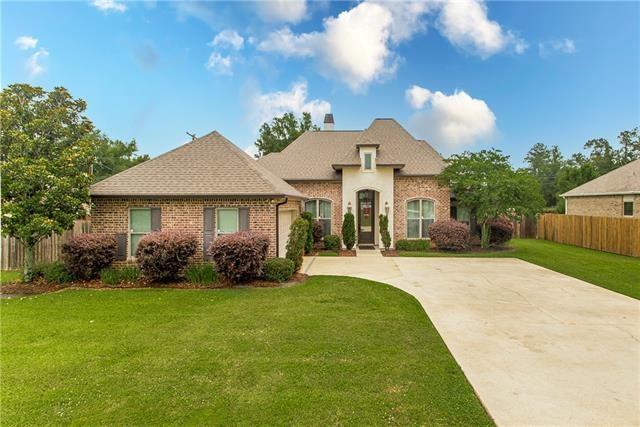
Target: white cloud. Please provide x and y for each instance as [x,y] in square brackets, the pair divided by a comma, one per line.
[219,64]
[417,96]
[228,38]
[566,46]
[453,121]
[26,42]
[355,46]
[287,11]
[358,45]
[34,63]
[109,5]
[265,106]
[466,25]
[251,150]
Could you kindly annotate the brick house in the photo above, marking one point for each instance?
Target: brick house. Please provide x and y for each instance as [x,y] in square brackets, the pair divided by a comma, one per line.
[615,194]
[211,187]
[208,187]
[379,170]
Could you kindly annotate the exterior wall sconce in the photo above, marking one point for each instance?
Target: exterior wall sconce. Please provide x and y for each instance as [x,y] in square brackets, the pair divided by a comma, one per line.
[386,208]
[349,206]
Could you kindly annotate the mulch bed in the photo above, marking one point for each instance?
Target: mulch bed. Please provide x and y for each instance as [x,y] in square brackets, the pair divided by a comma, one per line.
[471,250]
[41,286]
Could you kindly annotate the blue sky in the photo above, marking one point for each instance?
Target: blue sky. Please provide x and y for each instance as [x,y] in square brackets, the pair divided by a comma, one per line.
[463,75]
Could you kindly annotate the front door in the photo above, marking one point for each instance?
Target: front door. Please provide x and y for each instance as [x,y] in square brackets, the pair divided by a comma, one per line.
[366,220]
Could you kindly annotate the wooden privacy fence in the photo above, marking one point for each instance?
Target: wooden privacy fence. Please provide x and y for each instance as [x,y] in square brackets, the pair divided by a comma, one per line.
[617,235]
[47,250]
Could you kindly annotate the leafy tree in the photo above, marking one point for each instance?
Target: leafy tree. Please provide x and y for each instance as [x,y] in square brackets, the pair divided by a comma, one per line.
[629,146]
[113,156]
[349,230]
[577,170]
[46,148]
[544,163]
[282,131]
[602,155]
[385,236]
[485,183]
[308,244]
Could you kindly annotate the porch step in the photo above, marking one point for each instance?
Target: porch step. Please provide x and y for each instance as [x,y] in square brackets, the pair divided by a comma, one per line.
[369,252]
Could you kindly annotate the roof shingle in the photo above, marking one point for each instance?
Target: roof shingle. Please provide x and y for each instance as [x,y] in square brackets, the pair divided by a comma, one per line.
[313,155]
[624,180]
[207,166]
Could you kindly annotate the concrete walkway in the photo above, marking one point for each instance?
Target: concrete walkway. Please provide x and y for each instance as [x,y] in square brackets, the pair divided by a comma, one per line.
[539,347]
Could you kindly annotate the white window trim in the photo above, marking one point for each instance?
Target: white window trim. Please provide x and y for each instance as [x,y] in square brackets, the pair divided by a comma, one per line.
[628,199]
[318,217]
[363,152]
[130,255]
[406,216]
[218,232]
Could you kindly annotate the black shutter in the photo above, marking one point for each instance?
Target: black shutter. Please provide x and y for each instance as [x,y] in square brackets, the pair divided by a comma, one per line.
[121,254]
[156,219]
[244,219]
[208,232]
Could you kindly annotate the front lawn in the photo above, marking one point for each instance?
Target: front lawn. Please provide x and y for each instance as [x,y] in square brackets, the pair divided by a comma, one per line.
[10,276]
[615,272]
[334,350]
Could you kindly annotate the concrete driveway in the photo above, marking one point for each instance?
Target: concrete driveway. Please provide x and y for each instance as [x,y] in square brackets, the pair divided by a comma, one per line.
[539,347]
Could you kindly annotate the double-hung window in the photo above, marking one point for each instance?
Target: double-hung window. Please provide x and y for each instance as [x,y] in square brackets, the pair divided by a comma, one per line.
[368,161]
[227,221]
[420,214]
[140,225]
[321,211]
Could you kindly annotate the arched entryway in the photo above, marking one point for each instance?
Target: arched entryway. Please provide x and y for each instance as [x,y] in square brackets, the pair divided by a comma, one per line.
[366,217]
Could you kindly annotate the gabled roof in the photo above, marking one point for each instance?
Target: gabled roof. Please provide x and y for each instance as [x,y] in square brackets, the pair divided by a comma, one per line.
[318,155]
[624,180]
[207,166]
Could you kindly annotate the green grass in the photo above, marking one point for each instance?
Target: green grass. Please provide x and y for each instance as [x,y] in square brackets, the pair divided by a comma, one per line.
[10,276]
[614,272]
[334,350]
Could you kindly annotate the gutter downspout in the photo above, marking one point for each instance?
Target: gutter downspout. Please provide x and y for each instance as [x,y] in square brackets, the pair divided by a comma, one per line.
[278,225]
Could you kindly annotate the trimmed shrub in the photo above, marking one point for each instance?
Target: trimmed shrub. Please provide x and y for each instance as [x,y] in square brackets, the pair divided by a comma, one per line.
[349,230]
[332,242]
[204,274]
[163,255]
[279,269]
[296,242]
[318,231]
[240,257]
[449,235]
[86,255]
[417,245]
[384,231]
[116,276]
[501,231]
[53,272]
[308,244]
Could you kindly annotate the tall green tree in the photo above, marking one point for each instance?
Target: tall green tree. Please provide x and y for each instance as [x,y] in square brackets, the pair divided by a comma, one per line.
[282,131]
[577,170]
[545,163]
[485,183]
[47,147]
[602,155]
[629,146]
[113,156]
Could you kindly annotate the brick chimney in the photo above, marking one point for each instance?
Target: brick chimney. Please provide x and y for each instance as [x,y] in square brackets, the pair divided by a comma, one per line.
[328,122]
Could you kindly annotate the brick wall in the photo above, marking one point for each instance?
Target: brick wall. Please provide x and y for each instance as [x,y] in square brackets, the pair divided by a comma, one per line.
[411,187]
[111,215]
[600,206]
[329,190]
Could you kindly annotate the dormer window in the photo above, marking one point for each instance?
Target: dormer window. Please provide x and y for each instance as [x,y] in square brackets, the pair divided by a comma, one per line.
[367,161]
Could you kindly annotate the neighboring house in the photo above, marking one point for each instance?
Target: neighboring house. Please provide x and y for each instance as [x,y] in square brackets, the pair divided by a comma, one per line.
[381,169]
[208,187]
[616,193]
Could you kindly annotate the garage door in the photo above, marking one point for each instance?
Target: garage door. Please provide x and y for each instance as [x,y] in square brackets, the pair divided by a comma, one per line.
[286,218]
